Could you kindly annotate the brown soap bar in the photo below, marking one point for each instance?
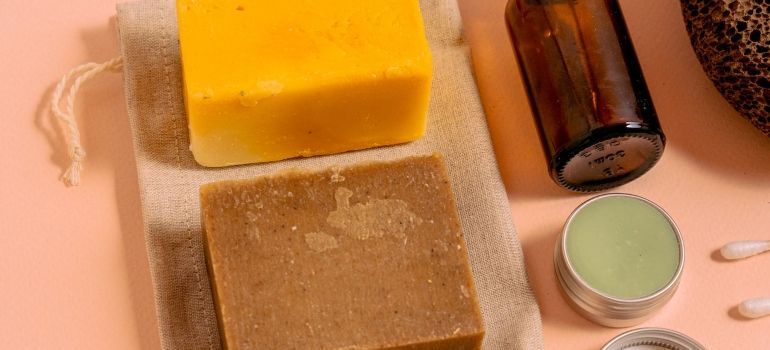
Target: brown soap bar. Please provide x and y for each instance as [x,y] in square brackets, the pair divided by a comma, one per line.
[360,258]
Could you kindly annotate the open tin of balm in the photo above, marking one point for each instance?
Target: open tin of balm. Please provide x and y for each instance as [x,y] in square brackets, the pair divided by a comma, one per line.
[619,259]
[653,339]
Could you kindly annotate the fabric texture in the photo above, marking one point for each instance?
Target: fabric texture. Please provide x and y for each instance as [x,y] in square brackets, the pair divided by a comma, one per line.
[169,179]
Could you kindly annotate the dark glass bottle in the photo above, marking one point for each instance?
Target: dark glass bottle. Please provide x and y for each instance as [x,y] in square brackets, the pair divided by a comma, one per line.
[597,123]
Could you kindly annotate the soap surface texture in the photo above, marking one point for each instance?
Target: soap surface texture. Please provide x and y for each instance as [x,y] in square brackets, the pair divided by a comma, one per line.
[623,247]
[365,257]
[271,80]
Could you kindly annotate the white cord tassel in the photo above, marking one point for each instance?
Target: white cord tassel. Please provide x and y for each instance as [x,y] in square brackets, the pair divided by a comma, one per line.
[755,308]
[80,74]
[744,249]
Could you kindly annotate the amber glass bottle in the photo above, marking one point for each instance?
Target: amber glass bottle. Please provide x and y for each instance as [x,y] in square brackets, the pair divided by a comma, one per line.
[597,123]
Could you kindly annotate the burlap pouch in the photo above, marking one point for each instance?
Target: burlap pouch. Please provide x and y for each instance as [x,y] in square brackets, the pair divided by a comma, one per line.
[169,179]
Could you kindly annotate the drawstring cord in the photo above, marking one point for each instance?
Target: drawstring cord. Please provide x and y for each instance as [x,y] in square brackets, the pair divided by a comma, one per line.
[80,74]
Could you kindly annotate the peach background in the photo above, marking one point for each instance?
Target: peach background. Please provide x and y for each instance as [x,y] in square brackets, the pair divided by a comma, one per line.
[73,269]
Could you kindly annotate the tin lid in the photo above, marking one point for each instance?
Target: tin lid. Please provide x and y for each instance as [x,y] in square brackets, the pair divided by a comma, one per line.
[653,339]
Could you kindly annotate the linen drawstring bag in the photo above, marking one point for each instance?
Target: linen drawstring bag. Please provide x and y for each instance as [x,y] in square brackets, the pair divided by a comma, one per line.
[169,177]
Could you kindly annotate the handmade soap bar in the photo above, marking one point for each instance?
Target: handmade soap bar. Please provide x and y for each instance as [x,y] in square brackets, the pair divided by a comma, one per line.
[367,257]
[270,80]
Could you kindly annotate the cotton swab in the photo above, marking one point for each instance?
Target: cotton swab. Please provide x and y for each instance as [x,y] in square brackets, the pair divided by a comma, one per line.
[744,249]
[755,308]
[751,308]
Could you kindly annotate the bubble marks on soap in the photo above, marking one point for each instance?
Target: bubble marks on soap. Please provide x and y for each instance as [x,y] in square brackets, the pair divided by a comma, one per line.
[755,308]
[336,176]
[262,90]
[744,249]
[374,219]
[320,242]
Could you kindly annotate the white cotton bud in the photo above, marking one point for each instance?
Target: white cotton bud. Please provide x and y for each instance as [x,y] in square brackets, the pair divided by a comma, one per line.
[744,249]
[755,308]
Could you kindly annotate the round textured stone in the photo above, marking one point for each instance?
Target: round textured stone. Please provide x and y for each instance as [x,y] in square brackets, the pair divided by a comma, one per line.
[732,41]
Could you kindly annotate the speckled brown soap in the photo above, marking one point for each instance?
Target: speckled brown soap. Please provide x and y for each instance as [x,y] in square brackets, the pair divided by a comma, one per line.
[367,257]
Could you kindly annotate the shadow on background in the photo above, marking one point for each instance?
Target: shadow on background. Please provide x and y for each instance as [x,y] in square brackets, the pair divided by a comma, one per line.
[695,117]
[538,255]
[107,139]
[697,120]
[736,315]
[515,138]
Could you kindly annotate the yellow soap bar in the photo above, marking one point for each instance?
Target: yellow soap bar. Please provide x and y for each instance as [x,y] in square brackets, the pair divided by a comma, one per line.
[271,80]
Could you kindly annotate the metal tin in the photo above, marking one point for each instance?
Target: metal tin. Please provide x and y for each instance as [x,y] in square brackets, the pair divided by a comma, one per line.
[599,307]
[653,338]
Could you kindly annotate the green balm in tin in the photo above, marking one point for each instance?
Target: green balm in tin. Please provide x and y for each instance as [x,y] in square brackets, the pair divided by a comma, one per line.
[619,259]
[622,246]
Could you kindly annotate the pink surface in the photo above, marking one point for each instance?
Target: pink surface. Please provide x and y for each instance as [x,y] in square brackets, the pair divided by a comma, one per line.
[73,267]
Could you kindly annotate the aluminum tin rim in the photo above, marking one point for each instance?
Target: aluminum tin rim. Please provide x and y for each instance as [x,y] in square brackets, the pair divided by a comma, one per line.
[673,283]
[661,337]
[599,310]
